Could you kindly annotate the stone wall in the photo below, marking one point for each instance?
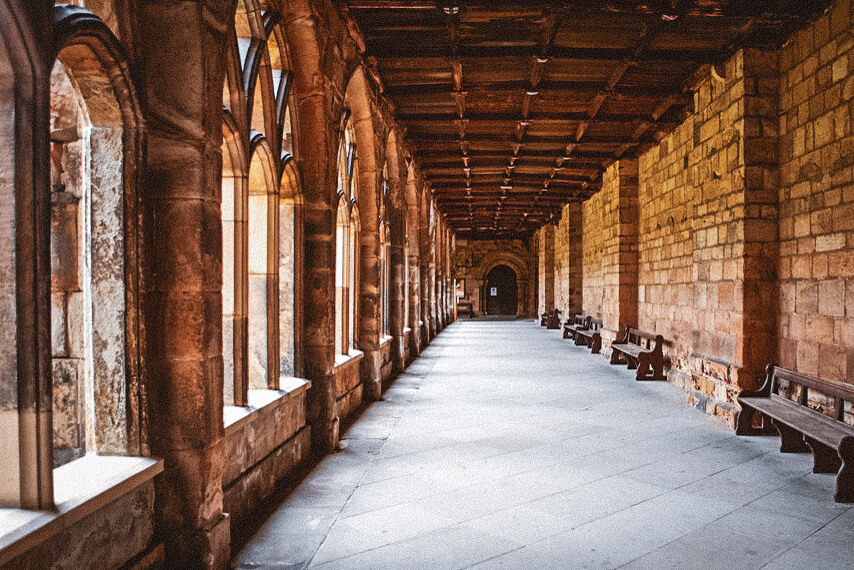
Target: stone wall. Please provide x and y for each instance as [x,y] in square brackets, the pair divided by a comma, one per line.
[546,269]
[264,442]
[816,268]
[609,247]
[707,246]
[559,263]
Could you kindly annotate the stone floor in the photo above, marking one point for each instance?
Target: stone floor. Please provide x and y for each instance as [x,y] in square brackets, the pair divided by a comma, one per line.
[504,446]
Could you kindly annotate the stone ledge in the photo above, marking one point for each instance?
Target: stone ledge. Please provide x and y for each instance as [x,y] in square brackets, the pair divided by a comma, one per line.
[342,360]
[81,488]
[255,431]
[236,416]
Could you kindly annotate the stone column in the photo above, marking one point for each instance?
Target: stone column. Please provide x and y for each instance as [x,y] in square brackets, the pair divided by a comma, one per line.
[414,271]
[620,303]
[546,268]
[760,289]
[424,237]
[432,238]
[181,75]
[396,212]
[574,259]
[319,149]
[369,301]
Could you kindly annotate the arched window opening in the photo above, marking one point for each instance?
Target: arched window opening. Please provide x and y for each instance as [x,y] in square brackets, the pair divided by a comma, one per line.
[265,193]
[289,269]
[353,277]
[406,291]
[233,260]
[88,260]
[348,227]
[263,270]
[342,281]
[385,274]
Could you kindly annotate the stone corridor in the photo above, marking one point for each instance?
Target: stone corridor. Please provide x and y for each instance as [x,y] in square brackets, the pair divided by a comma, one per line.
[505,446]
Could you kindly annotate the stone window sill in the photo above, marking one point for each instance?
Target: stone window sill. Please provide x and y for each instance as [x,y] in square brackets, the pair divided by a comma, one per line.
[385,339]
[81,487]
[289,388]
[344,359]
[407,330]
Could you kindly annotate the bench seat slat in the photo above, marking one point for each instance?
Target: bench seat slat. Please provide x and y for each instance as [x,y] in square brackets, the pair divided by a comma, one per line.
[818,426]
[801,427]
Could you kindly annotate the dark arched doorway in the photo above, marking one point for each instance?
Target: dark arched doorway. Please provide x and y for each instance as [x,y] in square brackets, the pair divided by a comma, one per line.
[501,291]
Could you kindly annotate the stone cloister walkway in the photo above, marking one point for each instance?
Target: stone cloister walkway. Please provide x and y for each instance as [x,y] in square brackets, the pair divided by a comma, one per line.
[504,446]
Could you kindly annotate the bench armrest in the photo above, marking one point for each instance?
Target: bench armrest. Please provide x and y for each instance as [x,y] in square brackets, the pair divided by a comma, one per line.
[765,390]
[624,340]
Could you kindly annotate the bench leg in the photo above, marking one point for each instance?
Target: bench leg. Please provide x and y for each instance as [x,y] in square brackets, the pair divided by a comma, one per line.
[615,356]
[596,344]
[631,363]
[745,419]
[644,368]
[791,440]
[845,479]
[650,368]
[825,459]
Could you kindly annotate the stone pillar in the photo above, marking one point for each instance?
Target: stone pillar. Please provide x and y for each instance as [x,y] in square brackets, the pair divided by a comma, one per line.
[369,302]
[574,258]
[425,269]
[432,238]
[620,303]
[181,75]
[396,212]
[396,293]
[414,277]
[319,145]
[760,289]
[546,268]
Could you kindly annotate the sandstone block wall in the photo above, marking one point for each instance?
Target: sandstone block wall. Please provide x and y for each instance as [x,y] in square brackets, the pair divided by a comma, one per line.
[559,261]
[736,232]
[707,242]
[816,195]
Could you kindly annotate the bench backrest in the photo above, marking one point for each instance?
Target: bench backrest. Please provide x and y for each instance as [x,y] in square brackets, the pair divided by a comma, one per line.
[641,338]
[838,392]
[594,325]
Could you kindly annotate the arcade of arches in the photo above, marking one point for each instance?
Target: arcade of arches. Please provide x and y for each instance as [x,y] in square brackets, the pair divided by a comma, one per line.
[229,226]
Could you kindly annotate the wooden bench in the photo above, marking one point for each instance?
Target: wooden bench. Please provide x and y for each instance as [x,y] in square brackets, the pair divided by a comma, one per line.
[803,428]
[550,319]
[590,336]
[465,308]
[577,321]
[641,350]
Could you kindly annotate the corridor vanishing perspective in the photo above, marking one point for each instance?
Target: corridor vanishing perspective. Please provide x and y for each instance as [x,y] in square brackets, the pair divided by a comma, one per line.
[238,239]
[505,446]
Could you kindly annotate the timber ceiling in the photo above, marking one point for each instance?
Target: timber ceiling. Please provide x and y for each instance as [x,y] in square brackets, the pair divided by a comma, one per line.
[514,109]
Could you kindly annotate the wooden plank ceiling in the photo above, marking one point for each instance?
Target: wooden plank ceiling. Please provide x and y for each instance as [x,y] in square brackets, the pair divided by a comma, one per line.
[514,109]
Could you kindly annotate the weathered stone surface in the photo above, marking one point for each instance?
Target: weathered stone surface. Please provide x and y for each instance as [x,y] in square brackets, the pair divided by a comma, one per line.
[108,538]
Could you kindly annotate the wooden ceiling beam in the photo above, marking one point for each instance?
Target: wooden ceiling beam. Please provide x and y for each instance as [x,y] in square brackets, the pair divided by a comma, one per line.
[388,51]
[502,89]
